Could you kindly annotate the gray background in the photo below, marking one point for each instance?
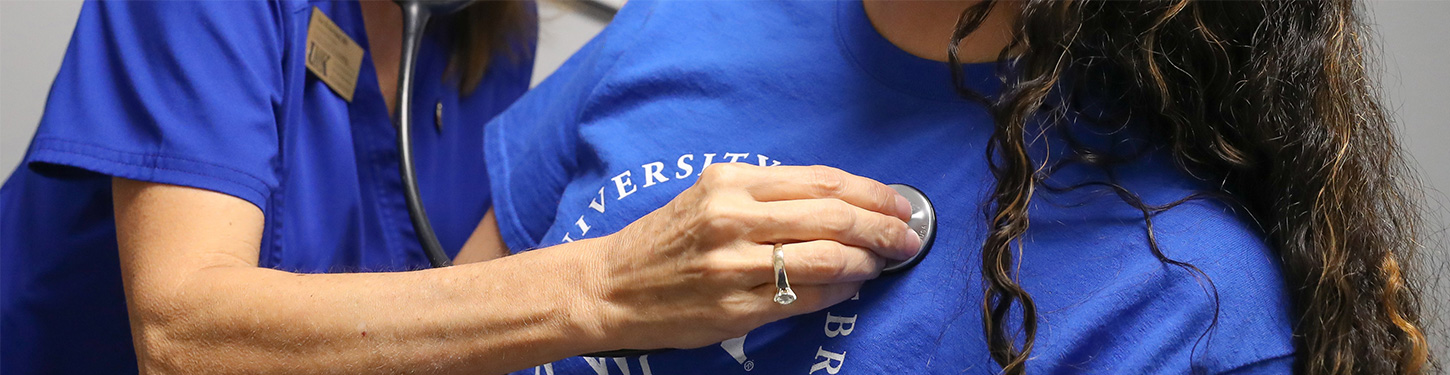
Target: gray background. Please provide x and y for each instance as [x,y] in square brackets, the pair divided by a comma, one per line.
[1413,34]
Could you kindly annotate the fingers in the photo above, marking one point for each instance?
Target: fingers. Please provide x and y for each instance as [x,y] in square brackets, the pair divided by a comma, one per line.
[832,219]
[808,263]
[779,183]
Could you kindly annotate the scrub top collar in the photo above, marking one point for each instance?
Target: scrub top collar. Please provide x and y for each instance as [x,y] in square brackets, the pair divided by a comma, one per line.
[368,102]
[375,132]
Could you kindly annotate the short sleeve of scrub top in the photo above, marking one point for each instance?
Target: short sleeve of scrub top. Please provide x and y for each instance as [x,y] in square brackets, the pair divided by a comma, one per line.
[168,106]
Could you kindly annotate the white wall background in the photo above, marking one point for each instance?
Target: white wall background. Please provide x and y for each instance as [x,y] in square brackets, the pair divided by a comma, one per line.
[33,36]
[1415,38]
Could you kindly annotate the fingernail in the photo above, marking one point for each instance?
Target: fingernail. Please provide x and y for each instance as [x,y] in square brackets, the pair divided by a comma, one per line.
[912,242]
[903,208]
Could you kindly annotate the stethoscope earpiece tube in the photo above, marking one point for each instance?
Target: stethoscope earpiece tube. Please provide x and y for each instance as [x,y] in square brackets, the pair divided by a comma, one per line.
[415,17]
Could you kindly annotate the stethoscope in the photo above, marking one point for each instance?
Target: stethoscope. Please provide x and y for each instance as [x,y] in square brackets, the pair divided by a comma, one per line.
[415,17]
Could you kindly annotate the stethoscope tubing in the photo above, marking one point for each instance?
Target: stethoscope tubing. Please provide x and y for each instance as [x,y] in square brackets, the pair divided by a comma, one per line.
[415,18]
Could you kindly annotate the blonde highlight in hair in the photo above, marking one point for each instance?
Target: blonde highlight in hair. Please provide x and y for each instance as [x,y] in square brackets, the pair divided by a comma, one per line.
[1271,100]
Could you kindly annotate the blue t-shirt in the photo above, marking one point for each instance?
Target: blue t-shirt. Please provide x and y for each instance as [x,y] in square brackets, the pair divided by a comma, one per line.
[215,95]
[670,87]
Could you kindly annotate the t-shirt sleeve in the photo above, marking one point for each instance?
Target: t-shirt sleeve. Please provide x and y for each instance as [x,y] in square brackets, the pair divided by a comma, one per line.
[174,92]
[531,148]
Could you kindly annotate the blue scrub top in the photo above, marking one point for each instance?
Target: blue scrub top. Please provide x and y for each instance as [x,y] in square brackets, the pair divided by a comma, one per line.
[215,95]
[671,87]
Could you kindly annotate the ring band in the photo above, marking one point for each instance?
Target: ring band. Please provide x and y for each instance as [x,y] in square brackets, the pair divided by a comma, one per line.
[783,294]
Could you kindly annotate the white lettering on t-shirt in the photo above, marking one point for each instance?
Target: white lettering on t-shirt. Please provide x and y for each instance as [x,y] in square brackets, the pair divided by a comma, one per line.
[709,159]
[763,159]
[583,227]
[838,359]
[598,364]
[843,325]
[601,367]
[652,172]
[836,326]
[688,169]
[621,182]
[736,348]
[644,365]
[623,365]
[598,204]
[655,173]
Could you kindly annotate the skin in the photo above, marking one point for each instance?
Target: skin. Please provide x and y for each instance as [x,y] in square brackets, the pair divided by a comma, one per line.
[921,28]
[198,302]
[383,22]
[924,28]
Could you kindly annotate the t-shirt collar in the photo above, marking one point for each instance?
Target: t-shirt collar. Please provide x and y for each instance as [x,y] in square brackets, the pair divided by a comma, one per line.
[898,69]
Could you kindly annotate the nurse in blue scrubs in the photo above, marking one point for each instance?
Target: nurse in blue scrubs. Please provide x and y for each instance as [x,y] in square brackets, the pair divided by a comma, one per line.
[216,97]
[200,197]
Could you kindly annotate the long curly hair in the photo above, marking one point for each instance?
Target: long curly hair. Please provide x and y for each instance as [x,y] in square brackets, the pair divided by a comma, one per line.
[1272,101]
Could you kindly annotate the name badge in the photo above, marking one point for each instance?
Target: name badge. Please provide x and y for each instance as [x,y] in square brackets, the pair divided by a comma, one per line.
[333,56]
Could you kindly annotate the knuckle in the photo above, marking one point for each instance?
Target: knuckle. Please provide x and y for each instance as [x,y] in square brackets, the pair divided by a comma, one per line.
[839,220]
[837,267]
[828,182]
[709,205]
[885,197]
[826,262]
[737,309]
[718,213]
[720,174]
[712,265]
[895,236]
[886,234]
[727,268]
[719,224]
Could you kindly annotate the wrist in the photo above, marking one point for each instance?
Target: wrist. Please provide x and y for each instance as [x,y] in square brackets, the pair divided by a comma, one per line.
[582,287]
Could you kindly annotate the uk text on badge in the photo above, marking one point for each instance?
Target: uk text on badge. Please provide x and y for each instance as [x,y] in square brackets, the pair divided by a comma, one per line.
[332,55]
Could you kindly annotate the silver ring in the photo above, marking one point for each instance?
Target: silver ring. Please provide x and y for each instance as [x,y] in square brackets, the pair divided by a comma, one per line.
[783,294]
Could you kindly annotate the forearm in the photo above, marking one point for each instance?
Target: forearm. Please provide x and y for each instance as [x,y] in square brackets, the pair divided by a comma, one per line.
[490,317]
[689,274]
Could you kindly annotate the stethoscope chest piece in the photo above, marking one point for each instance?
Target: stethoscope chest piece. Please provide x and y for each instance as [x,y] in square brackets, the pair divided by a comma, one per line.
[923,222]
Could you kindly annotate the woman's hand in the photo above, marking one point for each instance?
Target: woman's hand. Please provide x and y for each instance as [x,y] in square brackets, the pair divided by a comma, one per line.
[698,270]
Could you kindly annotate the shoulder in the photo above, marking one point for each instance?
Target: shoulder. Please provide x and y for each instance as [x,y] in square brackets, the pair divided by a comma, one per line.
[156,15]
[711,30]
[185,34]
[126,101]
[1241,270]
[1195,284]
